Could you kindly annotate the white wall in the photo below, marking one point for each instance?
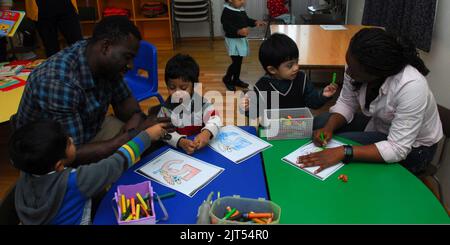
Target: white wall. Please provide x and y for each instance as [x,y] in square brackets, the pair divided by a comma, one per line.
[438,61]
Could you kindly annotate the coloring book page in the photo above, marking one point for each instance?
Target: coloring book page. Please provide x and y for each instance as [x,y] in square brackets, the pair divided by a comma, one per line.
[311,148]
[236,144]
[180,172]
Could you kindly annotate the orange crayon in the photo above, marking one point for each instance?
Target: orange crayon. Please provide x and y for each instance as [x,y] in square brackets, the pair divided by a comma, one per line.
[258,215]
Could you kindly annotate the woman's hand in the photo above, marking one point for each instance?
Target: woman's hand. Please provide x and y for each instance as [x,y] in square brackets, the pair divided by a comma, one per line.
[322,141]
[323,159]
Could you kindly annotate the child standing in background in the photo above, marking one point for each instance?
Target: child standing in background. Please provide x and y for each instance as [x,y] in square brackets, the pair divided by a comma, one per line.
[236,25]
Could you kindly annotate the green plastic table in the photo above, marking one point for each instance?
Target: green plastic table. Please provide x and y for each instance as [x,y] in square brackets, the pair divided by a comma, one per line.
[374,193]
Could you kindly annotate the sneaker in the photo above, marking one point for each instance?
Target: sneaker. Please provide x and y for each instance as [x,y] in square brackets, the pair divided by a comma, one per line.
[241,84]
[228,84]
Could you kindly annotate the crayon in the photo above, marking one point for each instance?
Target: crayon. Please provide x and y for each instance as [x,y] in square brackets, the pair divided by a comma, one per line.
[141,200]
[322,137]
[258,221]
[228,215]
[333,82]
[165,196]
[258,215]
[138,211]
[129,217]
[133,207]
[124,207]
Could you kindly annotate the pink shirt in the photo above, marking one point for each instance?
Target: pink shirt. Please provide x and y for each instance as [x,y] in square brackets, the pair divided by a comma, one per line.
[405,110]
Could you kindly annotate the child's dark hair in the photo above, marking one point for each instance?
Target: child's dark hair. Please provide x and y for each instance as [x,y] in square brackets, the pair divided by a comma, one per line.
[36,147]
[384,54]
[278,48]
[183,67]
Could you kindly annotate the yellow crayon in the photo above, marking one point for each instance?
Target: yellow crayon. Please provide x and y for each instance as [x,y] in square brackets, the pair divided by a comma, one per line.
[144,205]
[138,211]
[124,208]
[129,217]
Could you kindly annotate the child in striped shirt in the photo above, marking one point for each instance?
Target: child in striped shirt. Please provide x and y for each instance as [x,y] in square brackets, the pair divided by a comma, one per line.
[190,112]
[49,191]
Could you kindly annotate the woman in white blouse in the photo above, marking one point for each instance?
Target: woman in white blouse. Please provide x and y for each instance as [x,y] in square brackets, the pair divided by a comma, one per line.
[385,104]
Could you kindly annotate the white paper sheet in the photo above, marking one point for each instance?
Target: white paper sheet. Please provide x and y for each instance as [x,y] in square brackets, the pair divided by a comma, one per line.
[236,144]
[311,148]
[333,27]
[180,172]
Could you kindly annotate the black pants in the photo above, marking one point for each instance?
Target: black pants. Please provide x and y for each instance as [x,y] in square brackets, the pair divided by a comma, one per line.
[3,54]
[68,25]
[234,70]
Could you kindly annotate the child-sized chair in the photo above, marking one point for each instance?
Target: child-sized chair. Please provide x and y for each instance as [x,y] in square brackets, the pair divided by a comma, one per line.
[144,86]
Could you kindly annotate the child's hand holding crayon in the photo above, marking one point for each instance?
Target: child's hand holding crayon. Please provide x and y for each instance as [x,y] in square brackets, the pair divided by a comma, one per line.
[329,90]
[202,139]
[187,145]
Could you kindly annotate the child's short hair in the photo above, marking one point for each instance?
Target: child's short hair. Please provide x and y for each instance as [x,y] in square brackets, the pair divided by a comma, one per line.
[278,48]
[183,67]
[36,147]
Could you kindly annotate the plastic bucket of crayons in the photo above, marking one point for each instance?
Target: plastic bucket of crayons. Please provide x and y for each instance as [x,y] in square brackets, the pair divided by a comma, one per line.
[135,204]
[237,210]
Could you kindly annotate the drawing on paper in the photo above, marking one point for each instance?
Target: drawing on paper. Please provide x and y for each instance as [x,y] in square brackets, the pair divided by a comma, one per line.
[231,141]
[174,172]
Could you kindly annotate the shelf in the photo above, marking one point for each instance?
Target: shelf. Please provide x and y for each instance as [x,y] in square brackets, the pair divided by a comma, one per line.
[156,30]
[142,18]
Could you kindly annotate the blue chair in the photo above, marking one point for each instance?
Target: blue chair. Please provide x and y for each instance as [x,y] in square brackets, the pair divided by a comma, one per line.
[143,87]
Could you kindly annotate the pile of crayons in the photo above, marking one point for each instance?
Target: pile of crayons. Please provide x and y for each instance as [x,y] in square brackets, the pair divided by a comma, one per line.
[135,208]
[251,217]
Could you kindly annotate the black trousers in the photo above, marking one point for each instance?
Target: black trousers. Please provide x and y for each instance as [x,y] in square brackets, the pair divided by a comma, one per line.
[234,70]
[68,25]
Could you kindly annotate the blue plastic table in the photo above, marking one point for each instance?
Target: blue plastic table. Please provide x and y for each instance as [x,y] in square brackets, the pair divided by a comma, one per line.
[246,179]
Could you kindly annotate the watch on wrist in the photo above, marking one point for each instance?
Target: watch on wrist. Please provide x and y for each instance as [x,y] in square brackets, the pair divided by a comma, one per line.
[348,154]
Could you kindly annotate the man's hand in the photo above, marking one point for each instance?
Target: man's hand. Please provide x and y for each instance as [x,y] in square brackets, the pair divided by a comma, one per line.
[150,121]
[157,131]
[134,121]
